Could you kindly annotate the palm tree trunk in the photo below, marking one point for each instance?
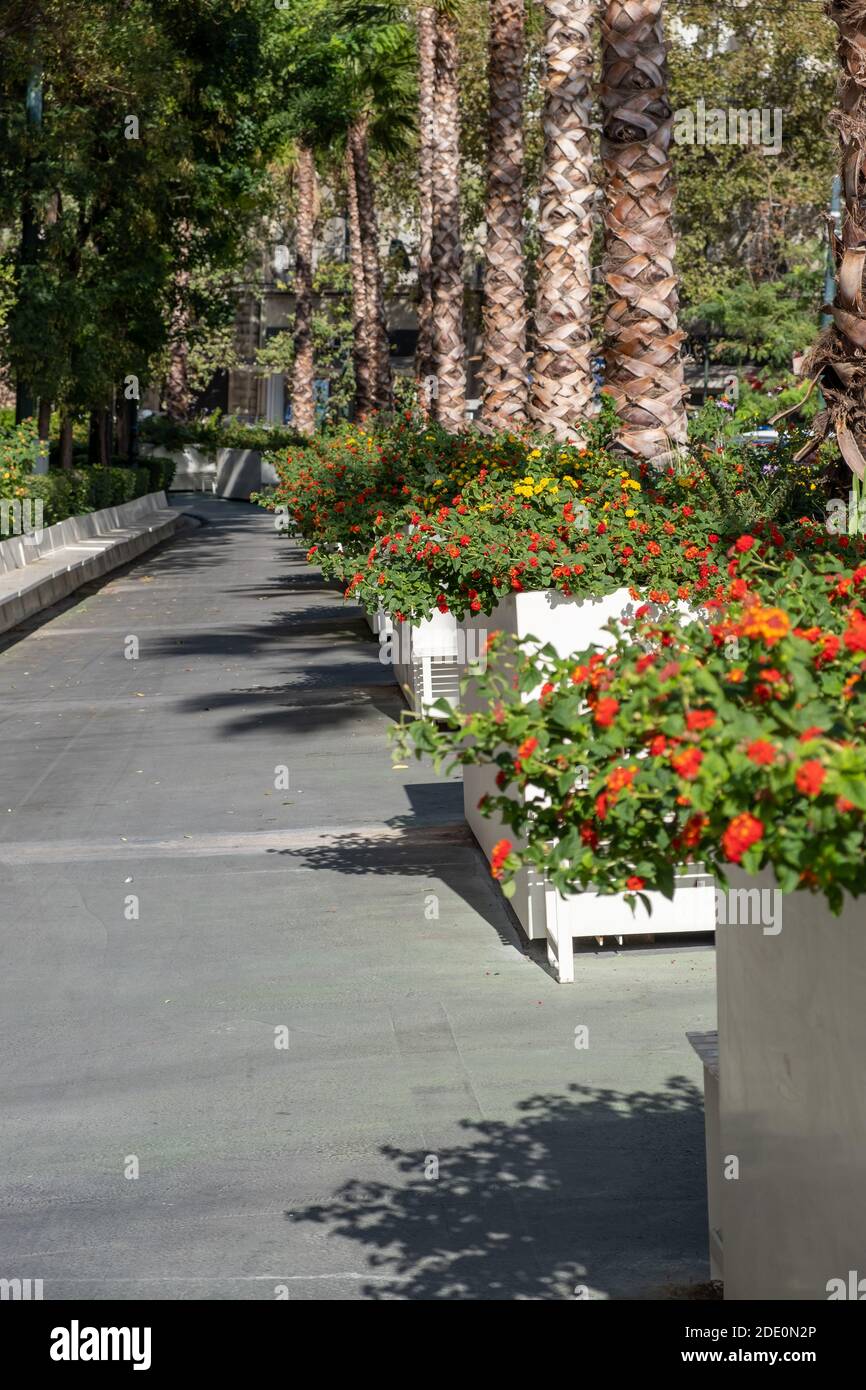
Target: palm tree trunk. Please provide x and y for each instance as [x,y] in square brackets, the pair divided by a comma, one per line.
[562,383]
[644,372]
[303,402]
[426,136]
[837,360]
[374,298]
[449,366]
[503,369]
[363,363]
[178,396]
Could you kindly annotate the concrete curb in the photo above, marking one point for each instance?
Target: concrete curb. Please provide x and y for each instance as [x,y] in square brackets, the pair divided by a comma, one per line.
[36,573]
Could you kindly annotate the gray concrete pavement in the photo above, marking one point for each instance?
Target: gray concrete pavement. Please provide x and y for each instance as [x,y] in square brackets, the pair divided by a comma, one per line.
[414,1042]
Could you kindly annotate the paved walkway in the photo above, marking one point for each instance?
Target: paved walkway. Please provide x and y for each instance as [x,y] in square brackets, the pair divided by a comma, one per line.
[430,1131]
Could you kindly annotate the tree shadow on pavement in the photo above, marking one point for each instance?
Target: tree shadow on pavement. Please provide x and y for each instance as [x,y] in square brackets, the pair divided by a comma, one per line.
[596,1193]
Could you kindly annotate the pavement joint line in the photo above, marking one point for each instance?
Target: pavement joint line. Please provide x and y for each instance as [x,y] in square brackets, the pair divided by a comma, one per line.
[220,843]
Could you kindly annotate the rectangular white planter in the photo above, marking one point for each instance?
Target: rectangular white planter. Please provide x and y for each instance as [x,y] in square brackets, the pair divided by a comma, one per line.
[195,470]
[425,660]
[238,473]
[569,625]
[792,1048]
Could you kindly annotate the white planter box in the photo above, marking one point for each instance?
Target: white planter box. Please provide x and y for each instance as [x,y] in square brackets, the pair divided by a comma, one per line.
[238,473]
[425,660]
[792,1046]
[569,625]
[195,470]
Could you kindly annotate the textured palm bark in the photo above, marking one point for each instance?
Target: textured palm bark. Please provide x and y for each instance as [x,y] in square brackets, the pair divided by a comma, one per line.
[361,357]
[562,384]
[449,352]
[644,371]
[838,360]
[374,298]
[426,23]
[303,401]
[503,355]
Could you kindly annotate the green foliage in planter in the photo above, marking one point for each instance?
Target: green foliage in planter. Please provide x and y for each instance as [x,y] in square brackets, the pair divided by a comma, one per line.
[214,432]
[738,739]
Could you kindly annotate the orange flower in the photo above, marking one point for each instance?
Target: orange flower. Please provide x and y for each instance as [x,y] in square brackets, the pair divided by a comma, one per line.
[634,883]
[605,711]
[499,854]
[743,831]
[620,778]
[688,763]
[769,624]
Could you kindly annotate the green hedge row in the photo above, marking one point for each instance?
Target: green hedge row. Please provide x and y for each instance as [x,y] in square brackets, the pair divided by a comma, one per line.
[216,432]
[74,491]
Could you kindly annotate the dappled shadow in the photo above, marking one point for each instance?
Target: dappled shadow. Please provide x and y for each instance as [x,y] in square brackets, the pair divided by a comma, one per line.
[597,1190]
[431,841]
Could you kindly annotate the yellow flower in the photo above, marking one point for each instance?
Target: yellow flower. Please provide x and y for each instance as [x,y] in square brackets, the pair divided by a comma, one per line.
[630,511]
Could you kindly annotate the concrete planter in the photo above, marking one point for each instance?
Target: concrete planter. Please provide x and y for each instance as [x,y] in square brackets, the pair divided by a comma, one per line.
[238,473]
[792,1042]
[195,469]
[569,625]
[39,569]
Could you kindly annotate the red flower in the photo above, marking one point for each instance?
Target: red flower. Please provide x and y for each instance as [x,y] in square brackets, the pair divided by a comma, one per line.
[658,745]
[810,777]
[700,719]
[588,835]
[810,733]
[744,831]
[605,711]
[688,763]
[526,749]
[855,635]
[634,883]
[692,831]
[761,751]
[744,543]
[500,853]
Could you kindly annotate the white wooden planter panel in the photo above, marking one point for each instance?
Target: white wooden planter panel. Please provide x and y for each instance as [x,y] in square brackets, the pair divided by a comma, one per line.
[569,626]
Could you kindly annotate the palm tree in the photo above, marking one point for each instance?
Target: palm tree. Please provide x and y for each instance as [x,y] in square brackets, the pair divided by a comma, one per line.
[837,360]
[426,26]
[449,405]
[503,369]
[375,337]
[562,383]
[303,402]
[361,357]
[644,372]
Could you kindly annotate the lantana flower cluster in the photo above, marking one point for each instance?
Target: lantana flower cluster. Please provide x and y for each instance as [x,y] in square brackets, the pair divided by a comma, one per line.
[736,740]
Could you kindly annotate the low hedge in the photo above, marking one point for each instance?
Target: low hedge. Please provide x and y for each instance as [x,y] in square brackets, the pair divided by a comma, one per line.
[75,491]
[216,432]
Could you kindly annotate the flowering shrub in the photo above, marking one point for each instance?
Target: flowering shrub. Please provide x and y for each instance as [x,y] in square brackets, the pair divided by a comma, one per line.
[412,518]
[739,740]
